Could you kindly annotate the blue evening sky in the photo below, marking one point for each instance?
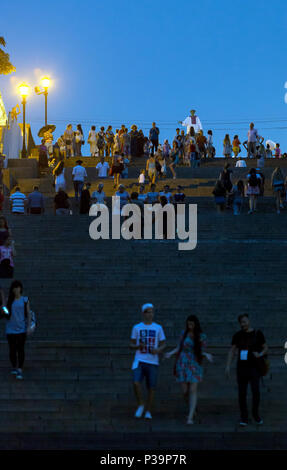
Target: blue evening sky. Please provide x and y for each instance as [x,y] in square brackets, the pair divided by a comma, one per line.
[135,62]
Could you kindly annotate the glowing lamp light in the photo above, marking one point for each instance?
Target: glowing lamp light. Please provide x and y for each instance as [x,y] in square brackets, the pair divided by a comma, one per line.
[45,82]
[24,90]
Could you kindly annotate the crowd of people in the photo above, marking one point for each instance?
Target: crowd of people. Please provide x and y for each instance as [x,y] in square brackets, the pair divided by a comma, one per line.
[148,340]
[190,145]
[230,194]
[116,150]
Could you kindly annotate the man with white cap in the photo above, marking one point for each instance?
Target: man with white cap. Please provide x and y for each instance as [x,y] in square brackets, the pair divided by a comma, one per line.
[148,339]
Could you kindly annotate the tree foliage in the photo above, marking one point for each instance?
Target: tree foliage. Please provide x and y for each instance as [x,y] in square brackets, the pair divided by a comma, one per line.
[5,65]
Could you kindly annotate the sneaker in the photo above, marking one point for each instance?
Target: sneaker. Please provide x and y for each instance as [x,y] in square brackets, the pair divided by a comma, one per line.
[139,412]
[258,420]
[148,415]
[14,372]
[250,212]
[243,423]
[19,375]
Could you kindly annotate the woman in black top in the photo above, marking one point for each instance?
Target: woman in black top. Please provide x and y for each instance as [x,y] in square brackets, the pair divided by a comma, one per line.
[85,200]
[219,193]
[4,230]
[253,189]
[225,178]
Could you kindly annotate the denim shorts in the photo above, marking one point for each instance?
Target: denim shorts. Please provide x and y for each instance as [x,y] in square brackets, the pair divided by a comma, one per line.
[149,371]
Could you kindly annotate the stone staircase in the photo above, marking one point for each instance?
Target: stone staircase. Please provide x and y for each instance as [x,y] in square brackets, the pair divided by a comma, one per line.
[87,295]
[197,182]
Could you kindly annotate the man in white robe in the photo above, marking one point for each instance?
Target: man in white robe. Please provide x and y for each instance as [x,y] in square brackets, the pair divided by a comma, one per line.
[192,121]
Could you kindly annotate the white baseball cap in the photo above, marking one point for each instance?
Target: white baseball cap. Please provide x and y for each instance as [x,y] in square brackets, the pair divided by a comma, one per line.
[146,306]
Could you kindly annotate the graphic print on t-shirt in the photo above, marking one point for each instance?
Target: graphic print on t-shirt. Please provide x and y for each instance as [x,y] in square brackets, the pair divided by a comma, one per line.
[147,337]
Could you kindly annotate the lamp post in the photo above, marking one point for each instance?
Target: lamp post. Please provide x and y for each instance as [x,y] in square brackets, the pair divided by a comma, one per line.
[45,82]
[24,91]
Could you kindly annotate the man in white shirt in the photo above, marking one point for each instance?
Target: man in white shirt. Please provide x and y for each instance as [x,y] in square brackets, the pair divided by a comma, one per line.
[79,174]
[148,339]
[253,139]
[240,164]
[103,168]
[192,121]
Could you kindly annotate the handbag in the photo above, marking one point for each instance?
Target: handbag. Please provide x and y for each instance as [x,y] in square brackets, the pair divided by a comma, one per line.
[68,142]
[83,142]
[263,365]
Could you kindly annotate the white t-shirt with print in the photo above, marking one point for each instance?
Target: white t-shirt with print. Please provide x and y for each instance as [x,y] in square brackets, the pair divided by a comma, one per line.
[103,169]
[150,335]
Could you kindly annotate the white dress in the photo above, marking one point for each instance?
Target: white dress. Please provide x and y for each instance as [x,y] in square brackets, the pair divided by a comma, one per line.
[60,181]
[92,142]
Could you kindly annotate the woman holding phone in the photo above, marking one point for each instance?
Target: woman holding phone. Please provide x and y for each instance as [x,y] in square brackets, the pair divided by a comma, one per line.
[18,327]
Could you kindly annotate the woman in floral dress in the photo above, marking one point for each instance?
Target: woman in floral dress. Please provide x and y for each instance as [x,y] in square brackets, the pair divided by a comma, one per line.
[188,366]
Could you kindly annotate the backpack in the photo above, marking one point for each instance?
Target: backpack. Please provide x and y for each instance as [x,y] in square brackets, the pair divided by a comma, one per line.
[225,179]
[253,181]
[33,318]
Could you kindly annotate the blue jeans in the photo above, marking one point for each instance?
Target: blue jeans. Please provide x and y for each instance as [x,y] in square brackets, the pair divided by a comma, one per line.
[62,211]
[237,207]
[147,371]
[78,186]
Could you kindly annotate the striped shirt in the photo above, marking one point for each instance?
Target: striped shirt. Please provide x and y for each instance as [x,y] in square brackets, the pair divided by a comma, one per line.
[17,200]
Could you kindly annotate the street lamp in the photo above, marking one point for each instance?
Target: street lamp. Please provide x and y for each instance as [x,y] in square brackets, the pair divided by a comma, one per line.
[45,82]
[24,92]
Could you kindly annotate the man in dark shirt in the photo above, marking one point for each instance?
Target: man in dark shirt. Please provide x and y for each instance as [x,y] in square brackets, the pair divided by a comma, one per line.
[61,203]
[35,202]
[251,346]
[85,200]
[153,136]
[179,197]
